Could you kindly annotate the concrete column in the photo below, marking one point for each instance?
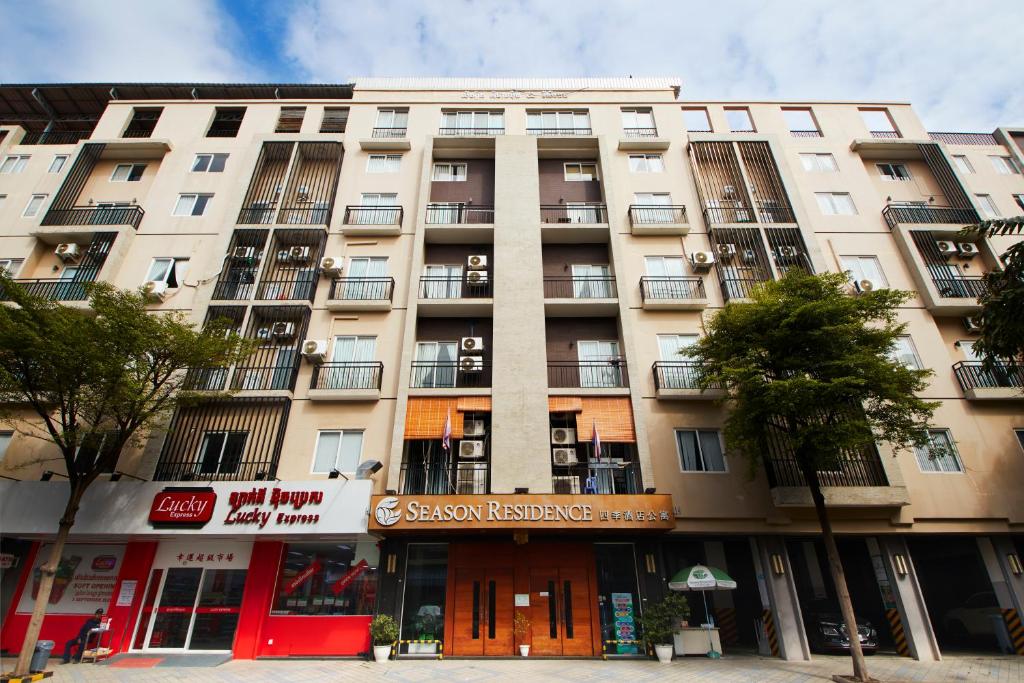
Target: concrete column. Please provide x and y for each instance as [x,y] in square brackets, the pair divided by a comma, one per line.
[1008,587]
[905,595]
[780,591]
[520,441]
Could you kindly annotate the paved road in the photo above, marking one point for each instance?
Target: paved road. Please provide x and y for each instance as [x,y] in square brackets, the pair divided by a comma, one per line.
[733,669]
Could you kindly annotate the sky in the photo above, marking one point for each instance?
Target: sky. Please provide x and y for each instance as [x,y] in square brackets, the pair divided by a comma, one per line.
[959,62]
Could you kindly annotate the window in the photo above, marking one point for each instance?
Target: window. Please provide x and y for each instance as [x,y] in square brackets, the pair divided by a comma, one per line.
[5,441]
[879,123]
[638,122]
[861,268]
[168,269]
[1018,432]
[1004,165]
[564,122]
[221,452]
[819,162]
[664,266]
[392,119]
[893,171]
[836,203]
[646,163]
[57,165]
[591,281]
[700,450]
[290,120]
[143,122]
[481,122]
[988,207]
[209,163]
[963,164]
[14,164]
[647,207]
[939,455]
[191,204]
[739,120]
[383,163]
[449,172]
[327,579]
[366,278]
[904,353]
[335,119]
[581,172]
[338,450]
[226,122]
[435,364]
[353,364]
[127,173]
[696,120]
[600,364]
[801,123]
[34,204]
[671,346]
[10,266]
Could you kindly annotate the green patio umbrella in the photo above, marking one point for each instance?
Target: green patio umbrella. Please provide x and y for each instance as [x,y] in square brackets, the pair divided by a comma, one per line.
[703,579]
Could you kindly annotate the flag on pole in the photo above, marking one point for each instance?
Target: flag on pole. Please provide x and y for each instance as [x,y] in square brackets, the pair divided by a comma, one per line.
[596,440]
[446,436]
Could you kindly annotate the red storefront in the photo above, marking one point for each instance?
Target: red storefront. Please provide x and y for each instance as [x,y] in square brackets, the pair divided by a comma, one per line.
[259,571]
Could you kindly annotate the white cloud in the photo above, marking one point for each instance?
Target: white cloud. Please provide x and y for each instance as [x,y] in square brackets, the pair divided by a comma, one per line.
[943,56]
[117,40]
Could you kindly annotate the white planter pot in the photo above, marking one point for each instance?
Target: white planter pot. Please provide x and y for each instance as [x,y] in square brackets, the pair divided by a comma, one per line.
[524,650]
[664,653]
[381,652]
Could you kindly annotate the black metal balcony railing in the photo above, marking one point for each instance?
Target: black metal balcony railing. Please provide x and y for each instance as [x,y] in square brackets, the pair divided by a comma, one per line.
[305,215]
[52,289]
[588,374]
[362,288]
[678,374]
[89,215]
[389,132]
[441,476]
[289,289]
[449,288]
[264,377]
[580,213]
[616,472]
[654,214]
[805,133]
[679,287]
[971,375]
[963,287]
[856,469]
[347,376]
[640,132]
[205,379]
[729,214]
[964,138]
[449,374]
[373,215]
[471,131]
[738,288]
[580,287]
[897,213]
[446,214]
[885,134]
[258,215]
[558,131]
[768,212]
[56,137]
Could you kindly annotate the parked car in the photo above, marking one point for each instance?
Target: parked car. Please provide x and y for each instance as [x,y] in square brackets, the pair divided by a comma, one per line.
[827,633]
[974,618]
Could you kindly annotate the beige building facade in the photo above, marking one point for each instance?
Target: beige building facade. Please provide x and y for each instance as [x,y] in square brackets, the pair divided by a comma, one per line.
[483,285]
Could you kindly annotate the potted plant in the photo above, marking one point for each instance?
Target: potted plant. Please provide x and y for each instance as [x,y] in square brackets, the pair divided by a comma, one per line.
[383,634]
[521,628]
[659,623]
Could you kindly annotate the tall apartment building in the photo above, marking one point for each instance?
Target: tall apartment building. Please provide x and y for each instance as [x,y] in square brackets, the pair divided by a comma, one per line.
[467,399]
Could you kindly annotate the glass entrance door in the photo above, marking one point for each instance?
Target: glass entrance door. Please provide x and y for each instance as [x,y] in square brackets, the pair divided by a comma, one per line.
[196,609]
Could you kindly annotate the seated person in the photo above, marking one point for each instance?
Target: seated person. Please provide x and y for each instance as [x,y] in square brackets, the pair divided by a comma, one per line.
[83,633]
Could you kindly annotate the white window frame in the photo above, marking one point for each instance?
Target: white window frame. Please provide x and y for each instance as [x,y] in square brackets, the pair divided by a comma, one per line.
[857,273]
[578,176]
[934,462]
[383,163]
[448,172]
[11,266]
[890,171]
[128,174]
[337,454]
[800,110]
[909,350]
[963,164]
[6,437]
[14,163]
[677,337]
[390,117]
[736,111]
[988,206]
[817,162]
[707,120]
[178,266]
[220,456]
[829,207]
[867,112]
[194,197]
[641,163]
[700,454]
[631,117]
[1004,165]
[39,200]
[476,116]
[57,163]
[206,159]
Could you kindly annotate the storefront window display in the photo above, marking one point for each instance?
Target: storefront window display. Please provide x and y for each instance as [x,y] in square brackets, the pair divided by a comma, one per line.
[618,596]
[426,576]
[327,579]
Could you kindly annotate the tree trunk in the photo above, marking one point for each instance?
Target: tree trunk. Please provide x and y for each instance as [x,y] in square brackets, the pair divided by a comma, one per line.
[835,564]
[46,575]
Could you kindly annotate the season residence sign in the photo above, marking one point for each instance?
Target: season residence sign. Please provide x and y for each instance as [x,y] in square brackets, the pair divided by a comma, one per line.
[522,511]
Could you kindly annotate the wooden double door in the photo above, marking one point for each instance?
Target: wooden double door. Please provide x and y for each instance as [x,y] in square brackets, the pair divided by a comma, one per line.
[485,580]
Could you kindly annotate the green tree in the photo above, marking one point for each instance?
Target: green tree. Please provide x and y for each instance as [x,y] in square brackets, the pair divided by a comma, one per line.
[1001,320]
[110,373]
[807,364]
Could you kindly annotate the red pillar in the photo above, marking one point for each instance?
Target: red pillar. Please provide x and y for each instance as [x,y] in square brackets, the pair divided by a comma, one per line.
[138,560]
[259,591]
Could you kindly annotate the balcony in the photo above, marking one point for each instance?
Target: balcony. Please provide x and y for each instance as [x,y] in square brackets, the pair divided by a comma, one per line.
[559,132]
[56,137]
[470,132]
[964,138]
[895,214]
[384,139]
[673,293]
[361,294]
[805,133]
[681,380]
[609,476]
[588,376]
[468,295]
[860,481]
[373,220]
[346,382]
[460,214]
[885,134]
[576,296]
[642,140]
[455,377]
[441,476]
[574,214]
[53,289]
[962,287]
[1004,382]
[89,215]
[738,289]
[658,220]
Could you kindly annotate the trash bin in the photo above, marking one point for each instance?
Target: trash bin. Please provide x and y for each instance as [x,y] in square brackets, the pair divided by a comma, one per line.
[41,655]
